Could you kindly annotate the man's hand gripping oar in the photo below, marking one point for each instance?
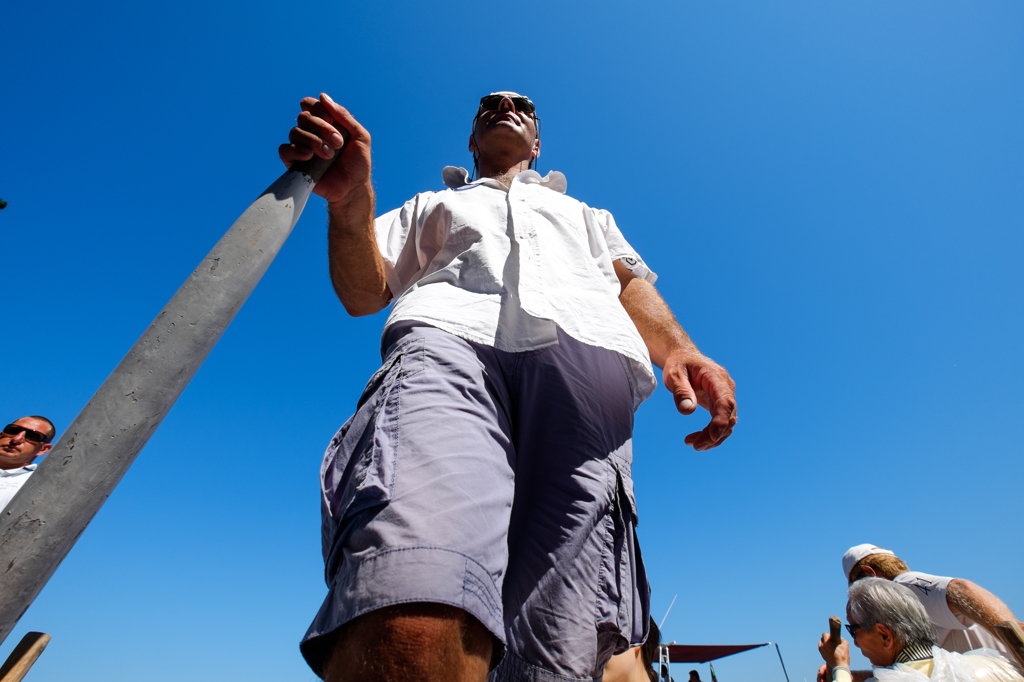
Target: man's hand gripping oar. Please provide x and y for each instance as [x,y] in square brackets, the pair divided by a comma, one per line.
[833,649]
[327,135]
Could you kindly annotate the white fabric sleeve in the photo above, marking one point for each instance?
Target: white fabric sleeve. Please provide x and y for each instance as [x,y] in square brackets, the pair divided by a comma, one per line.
[401,260]
[618,248]
[931,590]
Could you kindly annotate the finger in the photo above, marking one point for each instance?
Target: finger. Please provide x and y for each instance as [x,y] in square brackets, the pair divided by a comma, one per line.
[686,401]
[682,391]
[321,128]
[291,153]
[341,116]
[316,107]
[721,392]
[704,440]
[700,440]
[303,138]
[722,423]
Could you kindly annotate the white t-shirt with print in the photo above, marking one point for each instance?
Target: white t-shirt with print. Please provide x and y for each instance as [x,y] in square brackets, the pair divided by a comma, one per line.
[955,633]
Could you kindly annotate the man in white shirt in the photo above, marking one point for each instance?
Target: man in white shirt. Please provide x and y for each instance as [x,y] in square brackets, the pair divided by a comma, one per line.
[478,505]
[20,443]
[963,614]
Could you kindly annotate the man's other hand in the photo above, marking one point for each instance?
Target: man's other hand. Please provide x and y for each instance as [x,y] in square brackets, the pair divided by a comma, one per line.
[696,379]
[319,132]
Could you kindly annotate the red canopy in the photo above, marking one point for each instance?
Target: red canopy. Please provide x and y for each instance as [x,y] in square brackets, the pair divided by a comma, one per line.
[696,653]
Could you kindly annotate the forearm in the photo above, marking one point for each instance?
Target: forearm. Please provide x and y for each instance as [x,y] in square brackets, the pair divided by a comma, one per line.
[657,325]
[692,378]
[356,265]
[977,603]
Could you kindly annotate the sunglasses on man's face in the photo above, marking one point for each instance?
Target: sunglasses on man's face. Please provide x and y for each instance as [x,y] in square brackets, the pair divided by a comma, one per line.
[492,102]
[852,629]
[30,435]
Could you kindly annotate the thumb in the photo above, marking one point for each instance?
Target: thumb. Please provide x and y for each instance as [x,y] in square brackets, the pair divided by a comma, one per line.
[682,392]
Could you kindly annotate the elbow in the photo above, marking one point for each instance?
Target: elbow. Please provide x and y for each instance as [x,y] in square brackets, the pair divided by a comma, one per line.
[363,309]
[363,304]
[359,297]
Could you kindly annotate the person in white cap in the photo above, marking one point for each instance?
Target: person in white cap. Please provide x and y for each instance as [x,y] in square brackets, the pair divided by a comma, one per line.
[963,613]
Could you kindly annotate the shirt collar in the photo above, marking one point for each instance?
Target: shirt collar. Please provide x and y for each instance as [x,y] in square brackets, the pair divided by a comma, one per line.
[457,177]
[28,468]
[916,652]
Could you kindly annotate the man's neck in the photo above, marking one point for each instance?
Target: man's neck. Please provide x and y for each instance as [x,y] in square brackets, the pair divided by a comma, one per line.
[504,173]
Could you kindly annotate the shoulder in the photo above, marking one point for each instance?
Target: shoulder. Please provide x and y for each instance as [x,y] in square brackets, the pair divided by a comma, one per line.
[923,582]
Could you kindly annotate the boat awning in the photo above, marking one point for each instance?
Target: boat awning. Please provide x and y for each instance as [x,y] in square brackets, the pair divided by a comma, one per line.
[698,653]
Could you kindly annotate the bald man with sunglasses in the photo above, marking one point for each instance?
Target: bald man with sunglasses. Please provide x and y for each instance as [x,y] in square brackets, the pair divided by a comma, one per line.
[478,510]
[21,442]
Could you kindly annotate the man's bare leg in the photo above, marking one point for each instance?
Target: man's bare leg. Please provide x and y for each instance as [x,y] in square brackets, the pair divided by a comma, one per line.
[423,642]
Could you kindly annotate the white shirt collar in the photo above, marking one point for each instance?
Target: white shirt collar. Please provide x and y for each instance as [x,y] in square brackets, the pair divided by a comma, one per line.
[457,177]
[28,468]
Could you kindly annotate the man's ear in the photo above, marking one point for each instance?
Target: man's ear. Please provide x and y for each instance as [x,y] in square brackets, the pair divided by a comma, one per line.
[43,450]
[472,144]
[886,634]
[869,572]
[536,148]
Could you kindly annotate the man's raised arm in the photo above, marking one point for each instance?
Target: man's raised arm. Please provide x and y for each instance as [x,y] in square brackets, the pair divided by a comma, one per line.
[692,377]
[974,601]
[356,266]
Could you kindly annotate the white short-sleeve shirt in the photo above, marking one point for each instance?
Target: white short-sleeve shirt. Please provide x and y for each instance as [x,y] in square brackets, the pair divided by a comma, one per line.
[503,266]
[955,633]
[11,481]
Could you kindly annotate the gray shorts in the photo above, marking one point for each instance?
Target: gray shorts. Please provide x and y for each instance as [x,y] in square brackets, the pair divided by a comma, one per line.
[495,482]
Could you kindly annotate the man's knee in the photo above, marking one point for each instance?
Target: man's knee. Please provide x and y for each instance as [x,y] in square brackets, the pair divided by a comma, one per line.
[420,641]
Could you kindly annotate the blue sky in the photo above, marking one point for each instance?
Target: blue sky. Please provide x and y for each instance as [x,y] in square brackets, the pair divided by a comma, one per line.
[831,194]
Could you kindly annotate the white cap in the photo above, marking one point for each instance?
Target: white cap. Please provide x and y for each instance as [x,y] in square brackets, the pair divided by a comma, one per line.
[855,554]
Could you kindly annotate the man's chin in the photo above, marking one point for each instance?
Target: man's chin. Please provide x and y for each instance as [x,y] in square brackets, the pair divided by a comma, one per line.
[506,127]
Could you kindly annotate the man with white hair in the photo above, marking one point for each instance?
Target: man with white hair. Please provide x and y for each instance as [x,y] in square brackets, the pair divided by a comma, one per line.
[890,627]
[963,614]
[478,506]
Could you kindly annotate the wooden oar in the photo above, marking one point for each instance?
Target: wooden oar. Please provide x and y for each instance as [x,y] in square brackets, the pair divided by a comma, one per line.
[23,656]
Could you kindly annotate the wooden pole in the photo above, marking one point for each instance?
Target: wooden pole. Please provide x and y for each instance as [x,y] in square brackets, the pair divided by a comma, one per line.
[835,629]
[43,521]
[23,656]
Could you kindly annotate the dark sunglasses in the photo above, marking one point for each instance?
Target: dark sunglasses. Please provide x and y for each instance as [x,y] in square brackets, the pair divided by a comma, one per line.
[30,435]
[492,102]
[852,629]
